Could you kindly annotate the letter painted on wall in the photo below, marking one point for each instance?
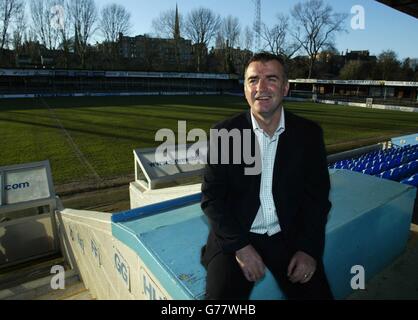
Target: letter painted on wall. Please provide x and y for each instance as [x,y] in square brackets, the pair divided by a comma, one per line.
[150,289]
[95,251]
[80,242]
[122,268]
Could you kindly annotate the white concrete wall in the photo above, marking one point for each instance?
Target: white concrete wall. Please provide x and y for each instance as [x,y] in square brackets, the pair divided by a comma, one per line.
[108,268]
[140,196]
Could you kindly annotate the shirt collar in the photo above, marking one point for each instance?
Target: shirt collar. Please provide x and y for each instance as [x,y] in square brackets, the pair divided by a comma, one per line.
[280,127]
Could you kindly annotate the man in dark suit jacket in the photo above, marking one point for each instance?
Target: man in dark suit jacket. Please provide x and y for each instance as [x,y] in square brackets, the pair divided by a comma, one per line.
[276,218]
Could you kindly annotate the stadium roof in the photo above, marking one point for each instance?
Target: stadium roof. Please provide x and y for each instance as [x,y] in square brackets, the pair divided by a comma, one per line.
[409,7]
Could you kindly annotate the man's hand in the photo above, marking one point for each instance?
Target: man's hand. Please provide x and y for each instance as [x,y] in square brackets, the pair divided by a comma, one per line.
[251,263]
[301,267]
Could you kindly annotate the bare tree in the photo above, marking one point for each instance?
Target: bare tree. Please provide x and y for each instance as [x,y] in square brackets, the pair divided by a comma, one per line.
[170,24]
[66,27]
[202,24]
[164,25]
[19,29]
[220,42]
[315,25]
[42,12]
[226,39]
[276,38]
[231,30]
[65,30]
[9,9]
[83,15]
[248,38]
[114,19]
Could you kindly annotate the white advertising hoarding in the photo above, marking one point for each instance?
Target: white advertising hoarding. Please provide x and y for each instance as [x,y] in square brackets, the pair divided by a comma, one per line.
[31,233]
[22,184]
[26,185]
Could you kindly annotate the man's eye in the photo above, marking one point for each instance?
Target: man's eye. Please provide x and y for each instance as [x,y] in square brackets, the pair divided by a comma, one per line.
[252,81]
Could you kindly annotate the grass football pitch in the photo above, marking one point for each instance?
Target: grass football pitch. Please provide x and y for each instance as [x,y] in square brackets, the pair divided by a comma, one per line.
[87,138]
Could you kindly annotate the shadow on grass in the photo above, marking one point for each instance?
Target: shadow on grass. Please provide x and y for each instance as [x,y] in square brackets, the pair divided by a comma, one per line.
[86,131]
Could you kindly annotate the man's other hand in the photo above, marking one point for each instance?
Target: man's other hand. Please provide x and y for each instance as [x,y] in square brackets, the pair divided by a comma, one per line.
[301,267]
[251,263]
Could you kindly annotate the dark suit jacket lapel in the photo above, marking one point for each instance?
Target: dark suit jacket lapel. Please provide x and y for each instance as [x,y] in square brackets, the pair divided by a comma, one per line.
[281,162]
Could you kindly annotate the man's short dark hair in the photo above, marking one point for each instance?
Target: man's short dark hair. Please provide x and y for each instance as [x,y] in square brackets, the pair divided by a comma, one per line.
[265,57]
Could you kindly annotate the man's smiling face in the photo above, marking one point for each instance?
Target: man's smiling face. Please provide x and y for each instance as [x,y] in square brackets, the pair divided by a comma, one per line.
[265,86]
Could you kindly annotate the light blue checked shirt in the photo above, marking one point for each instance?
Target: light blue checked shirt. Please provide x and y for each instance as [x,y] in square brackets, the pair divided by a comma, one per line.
[266,220]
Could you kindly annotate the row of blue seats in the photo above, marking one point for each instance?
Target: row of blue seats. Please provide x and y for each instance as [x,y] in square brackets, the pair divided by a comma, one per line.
[393,150]
[412,180]
[389,152]
[402,155]
[398,173]
[398,164]
[376,166]
[389,156]
[376,170]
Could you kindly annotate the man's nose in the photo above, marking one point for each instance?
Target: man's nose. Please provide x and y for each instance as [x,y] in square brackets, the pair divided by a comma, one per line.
[261,85]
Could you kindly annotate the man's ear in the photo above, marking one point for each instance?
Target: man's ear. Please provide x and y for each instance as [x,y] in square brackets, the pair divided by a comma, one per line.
[286,88]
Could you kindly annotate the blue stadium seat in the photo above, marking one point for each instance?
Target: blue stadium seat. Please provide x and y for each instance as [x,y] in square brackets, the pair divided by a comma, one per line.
[368,164]
[367,171]
[413,166]
[403,172]
[384,166]
[413,181]
[396,162]
[385,174]
[374,170]
[395,174]
[359,167]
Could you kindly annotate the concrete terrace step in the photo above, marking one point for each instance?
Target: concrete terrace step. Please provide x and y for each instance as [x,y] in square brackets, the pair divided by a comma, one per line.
[75,291]
[29,271]
[83,295]
[40,287]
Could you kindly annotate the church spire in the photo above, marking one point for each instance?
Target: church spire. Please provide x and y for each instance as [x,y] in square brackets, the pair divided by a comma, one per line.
[177,25]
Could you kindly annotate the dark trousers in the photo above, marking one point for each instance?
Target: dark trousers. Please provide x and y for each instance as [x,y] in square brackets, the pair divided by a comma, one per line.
[226,281]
